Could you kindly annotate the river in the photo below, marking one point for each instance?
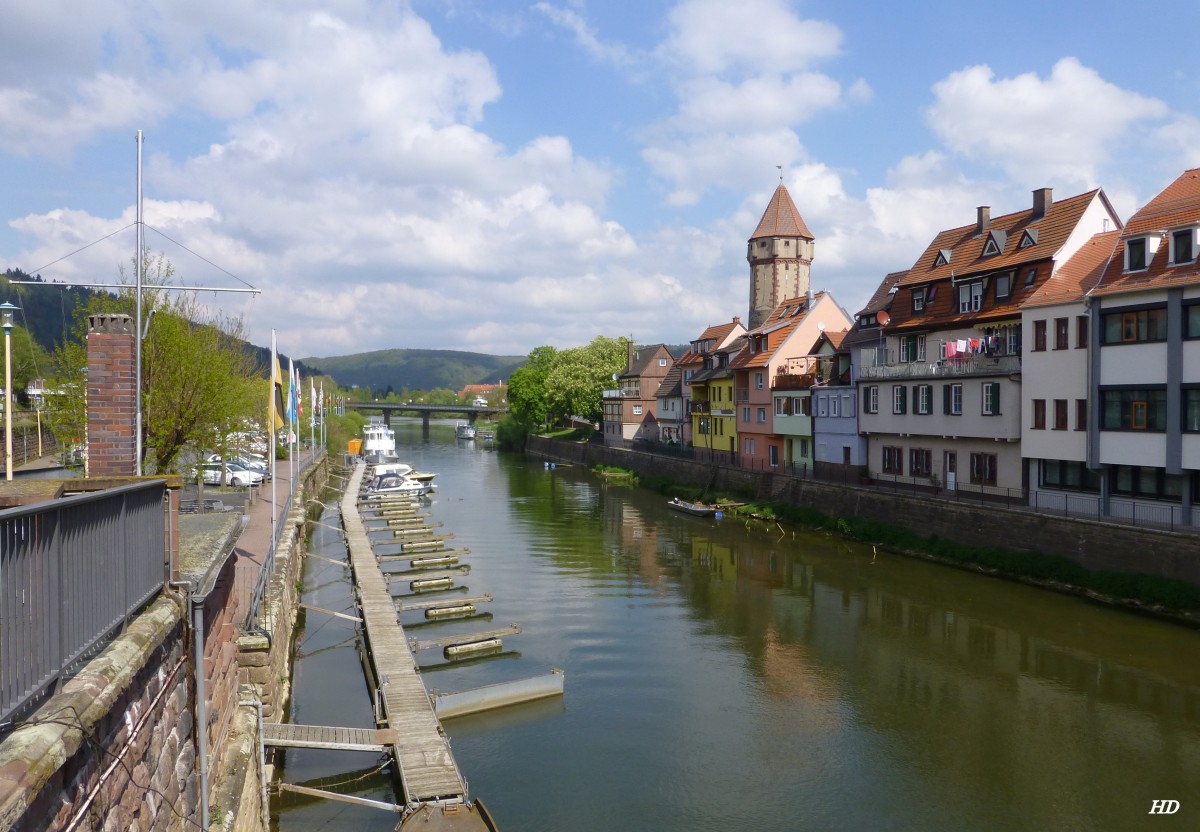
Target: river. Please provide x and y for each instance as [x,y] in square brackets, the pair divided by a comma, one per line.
[725,676]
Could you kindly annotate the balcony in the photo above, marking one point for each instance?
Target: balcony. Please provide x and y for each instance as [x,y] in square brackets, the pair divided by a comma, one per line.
[975,365]
[795,381]
[611,394]
[698,407]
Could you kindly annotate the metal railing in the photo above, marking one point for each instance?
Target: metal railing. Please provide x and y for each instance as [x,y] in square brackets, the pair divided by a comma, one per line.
[72,572]
[976,365]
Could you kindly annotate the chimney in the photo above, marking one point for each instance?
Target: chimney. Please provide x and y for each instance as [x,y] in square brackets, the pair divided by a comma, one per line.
[1043,198]
[111,397]
[983,217]
[737,319]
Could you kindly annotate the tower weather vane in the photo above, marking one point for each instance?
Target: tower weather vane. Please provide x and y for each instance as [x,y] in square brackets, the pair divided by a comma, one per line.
[780,169]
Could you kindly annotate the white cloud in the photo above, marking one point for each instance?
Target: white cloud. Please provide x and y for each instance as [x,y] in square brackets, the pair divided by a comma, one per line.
[1039,131]
[585,35]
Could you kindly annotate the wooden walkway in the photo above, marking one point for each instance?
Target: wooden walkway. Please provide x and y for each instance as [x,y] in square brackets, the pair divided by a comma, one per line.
[428,772]
[320,736]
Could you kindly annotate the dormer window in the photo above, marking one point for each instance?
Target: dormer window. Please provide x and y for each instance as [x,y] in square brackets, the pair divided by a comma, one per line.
[1183,246]
[1030,276]
[1003,285]
[1135,254]
[1029,238]
[995,243]
[943,257]
[918,299]
[970,297]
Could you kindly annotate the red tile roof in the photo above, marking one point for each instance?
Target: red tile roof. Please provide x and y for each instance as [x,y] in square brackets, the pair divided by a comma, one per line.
[778,326]
[1079,275]
[781,219]
[1178,205]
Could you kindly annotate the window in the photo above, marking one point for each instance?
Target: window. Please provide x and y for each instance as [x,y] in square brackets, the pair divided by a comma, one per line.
[920,462]
[893,460]
[1039,336]
[871,399]
[995,243]
[952,399]
[1191,410]
[920,348]
[912,348]
[783,406]
[1030,277]
[758,381]
[1145,482]
[899,398]
[1014,340]
[943,257]
[1191,320]
[991,398]
[1068,476]
[1134,409]
[1135,325]
[1029,238]
[833,406]
[662,362]
[821,402]
[918,299]
[983,469]
[762,415]
[702,425]
[1039,414]
[923,399]
[1060,414]
[1081,332]
[774,455]
[806,406]
[970,297]
[1061,333]
[1081,414]
[749,447]
[1135,254]
[745,414]
[1003,285]
[1182,246]
[637,410]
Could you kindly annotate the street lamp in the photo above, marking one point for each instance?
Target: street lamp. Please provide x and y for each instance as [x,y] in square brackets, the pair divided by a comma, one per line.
[7,310]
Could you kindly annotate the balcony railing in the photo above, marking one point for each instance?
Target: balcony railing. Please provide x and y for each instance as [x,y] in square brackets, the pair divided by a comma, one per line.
[976,365]
[795,381]
[698,407]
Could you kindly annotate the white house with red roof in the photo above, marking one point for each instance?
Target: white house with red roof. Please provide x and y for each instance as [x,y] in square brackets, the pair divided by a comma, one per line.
[1145,319]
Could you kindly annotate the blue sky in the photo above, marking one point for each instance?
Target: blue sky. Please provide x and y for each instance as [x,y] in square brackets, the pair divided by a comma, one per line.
[491,175]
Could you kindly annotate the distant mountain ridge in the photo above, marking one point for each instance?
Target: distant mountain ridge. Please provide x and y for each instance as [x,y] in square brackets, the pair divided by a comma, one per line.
[415,369]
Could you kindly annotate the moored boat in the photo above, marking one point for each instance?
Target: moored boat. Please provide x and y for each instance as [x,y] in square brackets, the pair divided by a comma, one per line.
[464,430]
[398,484]
[379,442]
[687,507]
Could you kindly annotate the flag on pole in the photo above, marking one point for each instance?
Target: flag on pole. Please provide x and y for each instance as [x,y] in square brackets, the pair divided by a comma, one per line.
[275,406]
[312,398]
[299,399]
[291,394]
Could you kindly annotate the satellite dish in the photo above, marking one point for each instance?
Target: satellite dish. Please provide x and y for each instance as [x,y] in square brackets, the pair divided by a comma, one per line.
[614,376]
[883,317]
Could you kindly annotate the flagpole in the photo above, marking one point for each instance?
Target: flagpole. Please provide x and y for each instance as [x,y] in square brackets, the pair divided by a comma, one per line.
[272,438]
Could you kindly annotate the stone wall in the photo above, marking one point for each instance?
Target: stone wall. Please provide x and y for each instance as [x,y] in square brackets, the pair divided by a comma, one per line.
[1091,543]
[114,749]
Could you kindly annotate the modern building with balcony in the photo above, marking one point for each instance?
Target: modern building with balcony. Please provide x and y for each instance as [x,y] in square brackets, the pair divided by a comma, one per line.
[941,394]
[1144,435]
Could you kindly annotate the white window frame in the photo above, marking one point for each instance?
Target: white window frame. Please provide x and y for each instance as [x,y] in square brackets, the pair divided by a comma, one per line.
[920,348]
[923,399]
[1146,254]
[1191,233]
[991,407]
[956,396]
[834,406]
[873,398]
[970,297]
[637,410]
[758,381]
[761,415]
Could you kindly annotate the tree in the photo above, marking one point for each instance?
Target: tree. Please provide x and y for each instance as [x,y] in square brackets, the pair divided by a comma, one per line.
[575,384]
[527,399]
[199,379]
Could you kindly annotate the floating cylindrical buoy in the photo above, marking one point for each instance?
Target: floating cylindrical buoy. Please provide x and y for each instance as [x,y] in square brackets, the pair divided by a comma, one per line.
[473,648]
[425,563]
[456,611]
[426,584]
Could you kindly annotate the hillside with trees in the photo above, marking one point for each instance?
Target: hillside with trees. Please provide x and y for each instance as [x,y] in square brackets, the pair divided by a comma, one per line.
[385,371]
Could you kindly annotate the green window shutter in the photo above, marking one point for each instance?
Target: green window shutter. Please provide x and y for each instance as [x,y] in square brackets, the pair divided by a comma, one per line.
[865,393]
[903,399]
[946,399]
[996,398]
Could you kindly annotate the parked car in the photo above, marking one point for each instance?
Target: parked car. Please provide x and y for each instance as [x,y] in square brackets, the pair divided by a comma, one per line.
[236,474]
[254,462]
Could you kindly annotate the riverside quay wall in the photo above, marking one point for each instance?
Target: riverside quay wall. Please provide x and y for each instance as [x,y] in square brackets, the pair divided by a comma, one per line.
[1092,544]
[159,730]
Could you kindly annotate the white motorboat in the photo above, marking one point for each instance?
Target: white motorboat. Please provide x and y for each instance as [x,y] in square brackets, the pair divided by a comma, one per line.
[397,484]
[464,430]
[379,441]
[401,468]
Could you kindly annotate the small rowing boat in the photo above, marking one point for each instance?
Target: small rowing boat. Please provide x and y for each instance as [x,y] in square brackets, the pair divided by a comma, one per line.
[697,509]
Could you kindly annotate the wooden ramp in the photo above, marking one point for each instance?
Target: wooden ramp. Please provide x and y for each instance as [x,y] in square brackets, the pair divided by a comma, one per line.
[426,766]
[288,735]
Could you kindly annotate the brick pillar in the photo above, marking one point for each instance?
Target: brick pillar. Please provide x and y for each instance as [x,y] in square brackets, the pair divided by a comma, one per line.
[112,399]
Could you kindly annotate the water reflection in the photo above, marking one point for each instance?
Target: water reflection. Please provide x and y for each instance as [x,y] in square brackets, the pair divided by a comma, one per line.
[725,676]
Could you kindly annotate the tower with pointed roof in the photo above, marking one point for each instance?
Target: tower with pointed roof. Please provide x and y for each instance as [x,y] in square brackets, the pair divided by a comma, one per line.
[780,252]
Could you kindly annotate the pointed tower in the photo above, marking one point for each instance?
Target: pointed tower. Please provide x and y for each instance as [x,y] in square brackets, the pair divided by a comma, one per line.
[780,253]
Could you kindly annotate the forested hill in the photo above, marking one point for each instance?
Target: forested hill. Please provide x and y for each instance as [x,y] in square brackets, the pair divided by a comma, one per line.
[415,369]
[48,312]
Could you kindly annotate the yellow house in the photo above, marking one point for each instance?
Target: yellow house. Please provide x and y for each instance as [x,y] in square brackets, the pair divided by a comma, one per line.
[714,412]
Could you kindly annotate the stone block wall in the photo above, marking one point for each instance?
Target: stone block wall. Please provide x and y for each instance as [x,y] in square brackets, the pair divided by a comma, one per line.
[115,749]
[1092,544]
